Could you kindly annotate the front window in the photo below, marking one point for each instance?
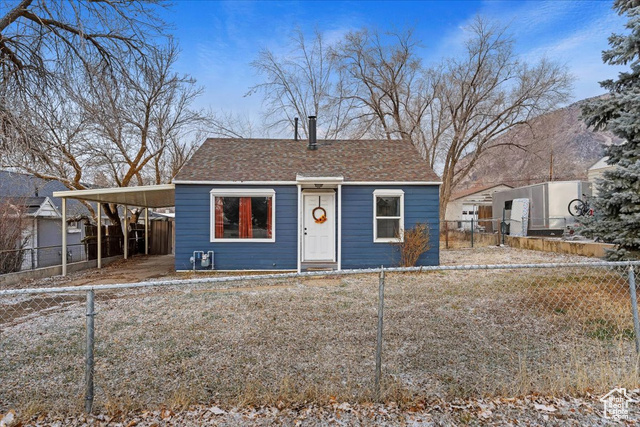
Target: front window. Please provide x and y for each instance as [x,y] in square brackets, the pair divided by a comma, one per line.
[388,215]
[242,215]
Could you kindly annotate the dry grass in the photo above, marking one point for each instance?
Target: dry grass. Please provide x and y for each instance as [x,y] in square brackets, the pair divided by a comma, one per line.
[286,343]
[599,302]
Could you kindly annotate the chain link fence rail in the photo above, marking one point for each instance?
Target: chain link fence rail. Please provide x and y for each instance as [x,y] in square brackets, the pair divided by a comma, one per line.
[16,260]
[358,335]
[456,234]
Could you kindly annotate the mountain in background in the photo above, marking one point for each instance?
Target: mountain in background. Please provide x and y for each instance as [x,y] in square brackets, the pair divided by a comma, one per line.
[559,147]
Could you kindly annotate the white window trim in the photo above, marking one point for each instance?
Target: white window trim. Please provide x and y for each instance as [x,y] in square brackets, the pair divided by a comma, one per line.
[240,192]
[388,193]
[75,228]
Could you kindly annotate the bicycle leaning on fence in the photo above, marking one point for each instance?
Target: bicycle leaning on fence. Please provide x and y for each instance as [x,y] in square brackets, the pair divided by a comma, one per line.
[580,207]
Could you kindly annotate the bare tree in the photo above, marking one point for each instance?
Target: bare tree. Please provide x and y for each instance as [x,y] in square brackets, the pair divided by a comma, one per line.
[40,40]
[387,83]
[484,94]
[140,117]
[303,83]
[227,124]
[450,111]
[35,34]
[13,225]
[136,129]
[55,146]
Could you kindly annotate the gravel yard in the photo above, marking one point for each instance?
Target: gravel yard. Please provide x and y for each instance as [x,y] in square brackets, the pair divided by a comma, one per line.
[459,346]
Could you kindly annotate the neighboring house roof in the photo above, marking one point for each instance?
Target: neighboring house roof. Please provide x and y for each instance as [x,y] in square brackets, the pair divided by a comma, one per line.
[476,189]
[237,160]
[15,184]
[34,206]
[601,164]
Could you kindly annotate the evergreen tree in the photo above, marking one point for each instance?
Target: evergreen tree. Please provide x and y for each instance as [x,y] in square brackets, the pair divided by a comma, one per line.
[617,206]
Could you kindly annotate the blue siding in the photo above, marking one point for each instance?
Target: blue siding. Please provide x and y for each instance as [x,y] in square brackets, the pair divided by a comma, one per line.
[193,213]
[421,204]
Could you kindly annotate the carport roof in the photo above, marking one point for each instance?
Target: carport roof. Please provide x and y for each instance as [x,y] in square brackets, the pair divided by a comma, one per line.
[148,196]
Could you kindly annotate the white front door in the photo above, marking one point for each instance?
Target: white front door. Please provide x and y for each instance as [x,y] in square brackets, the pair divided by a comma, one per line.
[319,220]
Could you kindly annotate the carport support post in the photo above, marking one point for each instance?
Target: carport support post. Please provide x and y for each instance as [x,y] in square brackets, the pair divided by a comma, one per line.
[146,231]
[64,236]
[379,336]
[126,233]
[471,231]
[88,374]
[634,307]
[99,241]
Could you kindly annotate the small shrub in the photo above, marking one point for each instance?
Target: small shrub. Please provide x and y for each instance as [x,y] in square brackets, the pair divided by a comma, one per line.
[12,239]
[415,243]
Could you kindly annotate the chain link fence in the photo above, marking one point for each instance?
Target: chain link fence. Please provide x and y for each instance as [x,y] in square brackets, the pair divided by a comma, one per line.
[15,260]
[448,331]
[457,234]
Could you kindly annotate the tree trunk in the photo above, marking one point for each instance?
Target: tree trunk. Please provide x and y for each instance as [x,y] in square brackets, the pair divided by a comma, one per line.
[111,210]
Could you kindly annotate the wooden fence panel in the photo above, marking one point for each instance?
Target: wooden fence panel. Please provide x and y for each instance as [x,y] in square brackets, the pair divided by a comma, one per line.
[484,218]
[161,237]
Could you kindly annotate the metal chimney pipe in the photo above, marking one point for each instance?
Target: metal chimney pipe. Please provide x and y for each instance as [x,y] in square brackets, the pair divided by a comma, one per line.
[312,133]
[295,134]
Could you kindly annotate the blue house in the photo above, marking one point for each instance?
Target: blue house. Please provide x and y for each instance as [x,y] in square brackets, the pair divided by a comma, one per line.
[271,204]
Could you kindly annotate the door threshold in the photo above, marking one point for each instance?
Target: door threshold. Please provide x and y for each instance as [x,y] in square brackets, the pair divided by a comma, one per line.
[319,266]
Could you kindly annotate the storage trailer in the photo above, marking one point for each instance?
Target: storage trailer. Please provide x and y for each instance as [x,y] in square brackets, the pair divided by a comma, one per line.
[548,205]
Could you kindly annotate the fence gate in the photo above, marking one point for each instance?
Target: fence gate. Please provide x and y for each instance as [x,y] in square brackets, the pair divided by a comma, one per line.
[161,237]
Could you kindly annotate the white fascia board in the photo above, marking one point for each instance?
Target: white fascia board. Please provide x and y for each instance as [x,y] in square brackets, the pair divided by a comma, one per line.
[47,201]
[237,182]
[301,179]
[256,192]
[388,192]
[393,183]
[318,180]
[115,190]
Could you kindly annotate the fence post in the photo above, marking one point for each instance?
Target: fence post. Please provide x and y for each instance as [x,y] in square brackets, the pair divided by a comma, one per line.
[379,336]
[503,226]
[634,307]
[33,259]
[446,234]
[471,231]
[88,376]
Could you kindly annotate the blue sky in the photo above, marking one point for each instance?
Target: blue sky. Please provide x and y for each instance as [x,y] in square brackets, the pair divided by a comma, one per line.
[219,39]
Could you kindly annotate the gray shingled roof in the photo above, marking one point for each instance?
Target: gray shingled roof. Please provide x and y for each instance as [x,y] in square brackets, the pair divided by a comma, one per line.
[20,185]
[30,204]
[281,160]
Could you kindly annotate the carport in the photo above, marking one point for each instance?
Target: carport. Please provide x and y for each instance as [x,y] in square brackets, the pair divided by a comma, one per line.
[149,196]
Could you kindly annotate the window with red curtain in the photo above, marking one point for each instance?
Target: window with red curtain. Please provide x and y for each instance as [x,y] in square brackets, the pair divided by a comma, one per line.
[245,223]
[269,218]
[219,217]
[243,217]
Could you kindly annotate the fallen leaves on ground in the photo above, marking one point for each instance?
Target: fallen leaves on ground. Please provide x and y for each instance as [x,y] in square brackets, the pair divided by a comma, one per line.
[529,410]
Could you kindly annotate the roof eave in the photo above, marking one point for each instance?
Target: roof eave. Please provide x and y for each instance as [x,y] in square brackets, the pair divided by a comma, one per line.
[310,179]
